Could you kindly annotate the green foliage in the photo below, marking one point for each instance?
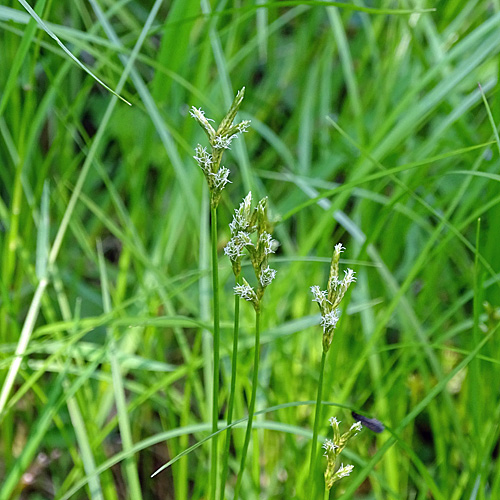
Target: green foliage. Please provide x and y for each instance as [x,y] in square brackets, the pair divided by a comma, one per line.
[367,128]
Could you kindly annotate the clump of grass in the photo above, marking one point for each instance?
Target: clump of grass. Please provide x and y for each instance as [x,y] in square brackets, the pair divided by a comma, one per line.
[414,154]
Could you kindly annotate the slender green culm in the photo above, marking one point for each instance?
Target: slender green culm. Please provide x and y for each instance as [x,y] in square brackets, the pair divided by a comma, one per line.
[317,416]
[251,407]
[217,177]
[232,390]
[216,347]
[328,301]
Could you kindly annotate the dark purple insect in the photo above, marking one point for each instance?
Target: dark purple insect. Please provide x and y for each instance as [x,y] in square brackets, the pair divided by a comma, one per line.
[372,423]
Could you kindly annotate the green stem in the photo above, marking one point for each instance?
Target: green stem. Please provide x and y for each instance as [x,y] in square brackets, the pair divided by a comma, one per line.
[317,418]
[234,362]
[215,385]
[327,493]
[251,408]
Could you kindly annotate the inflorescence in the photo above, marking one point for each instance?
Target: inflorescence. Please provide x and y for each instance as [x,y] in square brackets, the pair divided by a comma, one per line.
[333,448]
[329,299]
[251,230]
[217,176]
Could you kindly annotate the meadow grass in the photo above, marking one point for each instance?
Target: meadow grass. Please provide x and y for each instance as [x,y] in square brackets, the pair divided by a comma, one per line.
[368,128]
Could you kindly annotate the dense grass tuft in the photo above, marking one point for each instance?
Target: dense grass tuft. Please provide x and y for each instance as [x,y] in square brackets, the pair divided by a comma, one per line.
[368,127]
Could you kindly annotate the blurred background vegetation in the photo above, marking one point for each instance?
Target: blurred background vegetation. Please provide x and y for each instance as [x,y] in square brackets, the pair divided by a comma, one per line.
[368,128]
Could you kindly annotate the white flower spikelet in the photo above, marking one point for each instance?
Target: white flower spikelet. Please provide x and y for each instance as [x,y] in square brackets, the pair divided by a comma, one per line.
[242,214]
[243,126]
[246,292]
[342,285]
[344,471]
[233,249]
[220,179]
[223,142]
[329,446]
[329,320]
[235,246]
[268,244]
[199,115]
[339,248]
[320,296]
[348,277]
[266,276]
[356,427]
[204,159]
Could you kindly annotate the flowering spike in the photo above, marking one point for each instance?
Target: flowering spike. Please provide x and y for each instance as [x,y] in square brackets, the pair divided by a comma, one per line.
[242,215]
[220,140]
[227,122]
[328,300]
[199,115]
[247,222]
[333,448]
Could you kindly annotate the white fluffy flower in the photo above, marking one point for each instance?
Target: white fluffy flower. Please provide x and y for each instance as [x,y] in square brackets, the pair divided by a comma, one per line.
[356,427]
[329,445]
[243,126]
[246,292]
[339,248]
[329,320]
[267,243]
[348,277]
[220,179]
[266,276]
[199,115]
[320,296]
[223,142]
[242,214]
[344,471]
[233,249]
[204,159]
[235,246]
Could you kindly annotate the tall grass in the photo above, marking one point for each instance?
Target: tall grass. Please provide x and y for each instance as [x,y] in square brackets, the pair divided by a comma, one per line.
[368,127]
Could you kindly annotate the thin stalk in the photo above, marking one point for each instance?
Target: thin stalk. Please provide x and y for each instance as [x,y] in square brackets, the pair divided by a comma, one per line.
[215,385]
[230,404]
[317,418]
[251,408]
[327,493]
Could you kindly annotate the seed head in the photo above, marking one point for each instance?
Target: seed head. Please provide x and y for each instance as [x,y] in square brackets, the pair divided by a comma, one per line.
[329,299]
[220,140]
[333,448]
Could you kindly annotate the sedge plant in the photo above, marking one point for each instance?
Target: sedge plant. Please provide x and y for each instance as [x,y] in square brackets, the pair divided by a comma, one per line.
[328,301]
[217,177]
[251,231]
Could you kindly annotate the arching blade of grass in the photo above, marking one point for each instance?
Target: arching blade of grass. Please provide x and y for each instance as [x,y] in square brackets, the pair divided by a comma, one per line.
[49,32]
